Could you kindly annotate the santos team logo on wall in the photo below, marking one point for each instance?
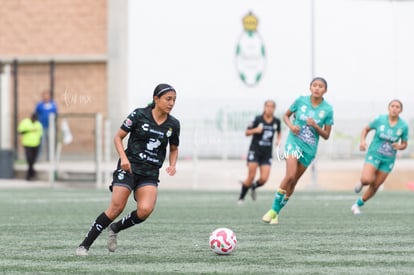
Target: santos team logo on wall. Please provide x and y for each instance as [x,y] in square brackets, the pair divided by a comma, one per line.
[250,52]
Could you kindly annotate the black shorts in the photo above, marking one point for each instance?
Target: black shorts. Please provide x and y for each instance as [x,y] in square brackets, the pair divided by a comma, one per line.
[131,181]
[262,158]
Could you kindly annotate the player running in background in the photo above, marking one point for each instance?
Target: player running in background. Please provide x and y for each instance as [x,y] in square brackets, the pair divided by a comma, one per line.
[263,129]
[150,130]
[391,134]
[312,117]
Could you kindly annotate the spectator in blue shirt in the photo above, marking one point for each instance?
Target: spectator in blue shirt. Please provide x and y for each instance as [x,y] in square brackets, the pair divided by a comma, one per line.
[44,109]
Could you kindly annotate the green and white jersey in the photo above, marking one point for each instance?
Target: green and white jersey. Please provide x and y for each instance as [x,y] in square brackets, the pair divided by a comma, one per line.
[307,140]
[385,136]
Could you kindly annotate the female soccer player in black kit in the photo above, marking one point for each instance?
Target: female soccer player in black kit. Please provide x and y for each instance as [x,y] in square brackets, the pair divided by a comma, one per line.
[263,129]
[150,130]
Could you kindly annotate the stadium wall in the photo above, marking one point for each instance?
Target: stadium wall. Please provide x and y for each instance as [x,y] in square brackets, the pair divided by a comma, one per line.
[72,34]
[110,55]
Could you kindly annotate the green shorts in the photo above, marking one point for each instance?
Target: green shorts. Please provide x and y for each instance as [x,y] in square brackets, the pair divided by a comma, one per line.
[293,150]
[381,164]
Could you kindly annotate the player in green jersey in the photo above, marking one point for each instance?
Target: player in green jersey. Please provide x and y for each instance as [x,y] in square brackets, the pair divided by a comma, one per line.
[151,130]
[313,117]
[391,134]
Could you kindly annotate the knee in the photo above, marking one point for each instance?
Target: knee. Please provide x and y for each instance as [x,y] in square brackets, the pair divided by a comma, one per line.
[144,211]
[366,180]
[114,210]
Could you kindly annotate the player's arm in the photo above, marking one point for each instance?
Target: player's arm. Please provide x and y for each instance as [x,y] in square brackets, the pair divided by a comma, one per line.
[400,146]
[251,130]
[286,119]
[324,132]
[362,142]
[279,135]
[278,138]
[257,130]
[172,160]
[119,146]
[404,141]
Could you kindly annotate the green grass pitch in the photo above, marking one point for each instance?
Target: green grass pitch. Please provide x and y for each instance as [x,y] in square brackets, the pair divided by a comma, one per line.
[316,234]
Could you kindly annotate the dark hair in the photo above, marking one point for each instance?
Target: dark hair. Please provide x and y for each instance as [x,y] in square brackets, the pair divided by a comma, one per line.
[396,100]
[159,91]
[33,116]
[162,89]
[320,79]
[270,101]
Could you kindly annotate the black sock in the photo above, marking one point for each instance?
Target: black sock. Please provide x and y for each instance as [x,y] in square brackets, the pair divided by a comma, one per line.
[243,192]
[256,184]
[101,222]
[128,221]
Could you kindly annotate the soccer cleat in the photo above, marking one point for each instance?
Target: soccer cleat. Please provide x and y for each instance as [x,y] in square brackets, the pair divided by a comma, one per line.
[274,220]
[355,209]
[81,251]
[240,202]
[269,216]
[253,193]
[358,187]
[112,242]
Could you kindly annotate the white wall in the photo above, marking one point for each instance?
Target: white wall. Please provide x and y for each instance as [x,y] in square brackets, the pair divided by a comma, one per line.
[365,50]
[191,44]
[362,47]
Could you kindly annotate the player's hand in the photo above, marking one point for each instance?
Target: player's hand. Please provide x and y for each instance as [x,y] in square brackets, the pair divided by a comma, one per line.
[259,128]
[310,122]
[295,129]
[396,146]
[171,170]
[126,165]
[362,146]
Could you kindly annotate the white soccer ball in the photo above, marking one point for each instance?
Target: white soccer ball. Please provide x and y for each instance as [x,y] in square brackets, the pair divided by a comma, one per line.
[222,241]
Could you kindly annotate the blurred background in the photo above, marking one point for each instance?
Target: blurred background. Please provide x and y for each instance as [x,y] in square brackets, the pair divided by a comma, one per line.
[100,59]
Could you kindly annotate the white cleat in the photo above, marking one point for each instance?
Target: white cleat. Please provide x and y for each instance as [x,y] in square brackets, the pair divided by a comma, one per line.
[355,209]
[81,251]
[253,194]
[112,239]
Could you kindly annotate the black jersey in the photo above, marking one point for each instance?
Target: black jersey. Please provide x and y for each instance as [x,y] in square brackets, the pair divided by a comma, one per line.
[263,142]
[148,141]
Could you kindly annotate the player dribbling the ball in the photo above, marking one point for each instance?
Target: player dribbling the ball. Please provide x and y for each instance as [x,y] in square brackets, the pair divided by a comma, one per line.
[313,117]
[150,130]
[391,134]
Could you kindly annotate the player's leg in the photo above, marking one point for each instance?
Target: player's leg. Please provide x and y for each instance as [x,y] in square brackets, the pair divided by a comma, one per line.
[247,183]
[368,177]
[290,176]
[373,188]
[146,197]
[264,170]
[119,199]
[291,187]
[264,175]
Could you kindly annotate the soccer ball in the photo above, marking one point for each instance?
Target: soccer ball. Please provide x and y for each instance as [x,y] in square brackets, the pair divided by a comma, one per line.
[222,241]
